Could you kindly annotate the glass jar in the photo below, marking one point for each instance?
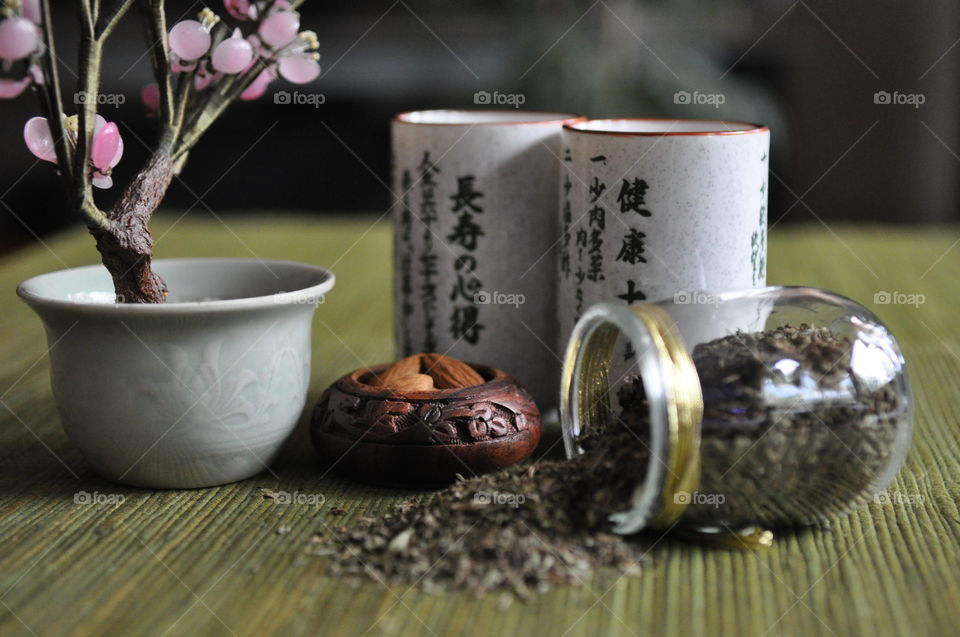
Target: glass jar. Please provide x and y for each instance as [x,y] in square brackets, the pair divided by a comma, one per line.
[771,407]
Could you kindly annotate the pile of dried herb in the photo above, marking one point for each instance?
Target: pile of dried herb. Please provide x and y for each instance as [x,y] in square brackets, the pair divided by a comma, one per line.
[791,433]
[524,529]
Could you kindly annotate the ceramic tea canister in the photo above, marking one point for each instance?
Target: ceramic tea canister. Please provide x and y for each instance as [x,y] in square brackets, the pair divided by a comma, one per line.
[476,234]
[652,209]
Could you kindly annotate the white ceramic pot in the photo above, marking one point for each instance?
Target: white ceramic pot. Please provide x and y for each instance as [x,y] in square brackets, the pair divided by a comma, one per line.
[198,391]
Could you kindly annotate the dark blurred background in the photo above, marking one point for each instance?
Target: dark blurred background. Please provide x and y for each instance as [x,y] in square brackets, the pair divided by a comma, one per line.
[810,69]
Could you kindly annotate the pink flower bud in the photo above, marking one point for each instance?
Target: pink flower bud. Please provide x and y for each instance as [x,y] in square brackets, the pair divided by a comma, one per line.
[19,37]
[280,29]
[241,9]
[189,40]
[299,68]
[98,125]
[13,88]
[37,74]
[150,94]
[107,148]
[204,77]
[30,10]
[233,54]
[259,86]
[102,181]
[36,134]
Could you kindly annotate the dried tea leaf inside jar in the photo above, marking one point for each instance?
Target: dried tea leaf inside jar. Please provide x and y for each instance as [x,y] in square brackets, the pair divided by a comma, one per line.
[774,407]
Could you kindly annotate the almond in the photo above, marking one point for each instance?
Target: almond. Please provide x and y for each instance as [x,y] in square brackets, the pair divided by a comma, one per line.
[411,365]
[411,382]
[449,373]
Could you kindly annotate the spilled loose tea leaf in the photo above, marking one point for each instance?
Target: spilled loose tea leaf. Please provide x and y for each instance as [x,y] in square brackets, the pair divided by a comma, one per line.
[524,529]
[791,433]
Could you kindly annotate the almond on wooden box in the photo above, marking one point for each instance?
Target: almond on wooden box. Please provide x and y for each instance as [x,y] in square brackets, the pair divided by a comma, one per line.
[423,420]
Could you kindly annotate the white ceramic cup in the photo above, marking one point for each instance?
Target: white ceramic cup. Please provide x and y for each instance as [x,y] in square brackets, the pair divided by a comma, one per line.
[475,239]
[660,208]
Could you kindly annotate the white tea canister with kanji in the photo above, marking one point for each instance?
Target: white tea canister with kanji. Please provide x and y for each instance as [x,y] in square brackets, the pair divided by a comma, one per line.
[475,239]
[654,209]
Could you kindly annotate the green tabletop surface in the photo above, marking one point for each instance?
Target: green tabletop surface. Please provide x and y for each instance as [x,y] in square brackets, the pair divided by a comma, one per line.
[227,561]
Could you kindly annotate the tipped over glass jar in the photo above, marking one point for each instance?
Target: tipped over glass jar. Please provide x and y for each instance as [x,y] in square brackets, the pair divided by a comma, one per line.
[772,407]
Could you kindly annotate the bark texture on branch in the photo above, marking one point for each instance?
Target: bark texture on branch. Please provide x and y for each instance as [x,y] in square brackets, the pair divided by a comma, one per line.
[126,246]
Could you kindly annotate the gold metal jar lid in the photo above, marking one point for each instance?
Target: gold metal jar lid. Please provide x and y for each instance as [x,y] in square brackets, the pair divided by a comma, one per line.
[673,393]
[675,400]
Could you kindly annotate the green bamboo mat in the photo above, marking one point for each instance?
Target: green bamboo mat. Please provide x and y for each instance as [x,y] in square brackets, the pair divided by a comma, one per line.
[225,561]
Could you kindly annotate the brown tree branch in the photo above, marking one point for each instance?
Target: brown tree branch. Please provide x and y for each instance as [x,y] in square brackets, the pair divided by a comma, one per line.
[127,246]
[123,235]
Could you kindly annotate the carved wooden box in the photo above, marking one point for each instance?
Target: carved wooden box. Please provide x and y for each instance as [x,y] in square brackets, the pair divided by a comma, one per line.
[424,438]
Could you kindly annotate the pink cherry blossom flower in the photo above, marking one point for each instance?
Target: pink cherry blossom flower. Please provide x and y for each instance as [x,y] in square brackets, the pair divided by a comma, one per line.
[259,86]
[296,62]
[36,134]
[30,9]
[189,40]
[150,95]
[241,9]
[36,73]
[232,55]
[106,148]
[204,77]
[19,38]
[299,68]
[13,87]
[277,46]
[10,88]
[280,28]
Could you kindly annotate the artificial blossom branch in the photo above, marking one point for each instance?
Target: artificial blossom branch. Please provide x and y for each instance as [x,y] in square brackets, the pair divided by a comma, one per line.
[200,66]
